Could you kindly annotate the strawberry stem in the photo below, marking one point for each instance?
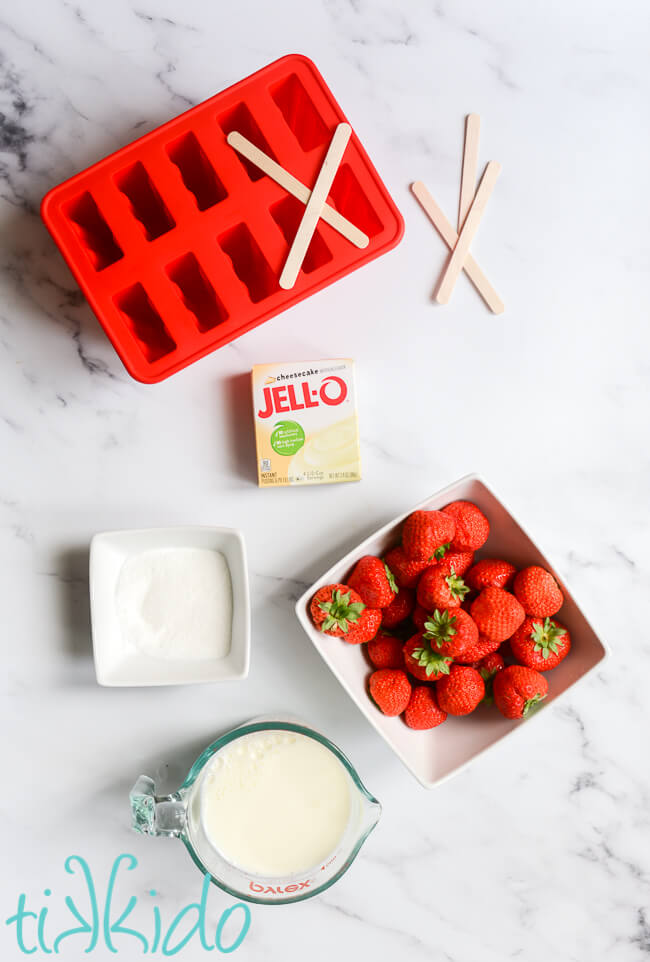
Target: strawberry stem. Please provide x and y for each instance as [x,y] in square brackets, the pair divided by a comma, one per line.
[456,585]
[440,552]
[548,637]
[441,629]
[433,662]
[531,703]
[341,613]
[391,579]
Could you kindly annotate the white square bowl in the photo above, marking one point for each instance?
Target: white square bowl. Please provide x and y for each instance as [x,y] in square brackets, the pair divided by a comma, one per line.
[435,755]
[115,662]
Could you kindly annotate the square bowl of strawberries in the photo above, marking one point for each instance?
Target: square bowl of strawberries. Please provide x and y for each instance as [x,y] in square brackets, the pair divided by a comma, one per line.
[449,628]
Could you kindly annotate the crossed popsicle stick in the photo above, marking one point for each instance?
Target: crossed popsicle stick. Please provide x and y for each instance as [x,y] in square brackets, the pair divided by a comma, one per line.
[472,203]
[471,207]
[314,200]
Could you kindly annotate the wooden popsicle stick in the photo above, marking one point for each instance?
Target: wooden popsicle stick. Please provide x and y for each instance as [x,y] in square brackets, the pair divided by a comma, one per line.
[314,206]
[295,187]
[449,236]
[466,236]
[470,167]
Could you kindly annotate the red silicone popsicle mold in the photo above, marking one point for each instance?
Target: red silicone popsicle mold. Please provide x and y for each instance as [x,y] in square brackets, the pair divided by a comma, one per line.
[178,242]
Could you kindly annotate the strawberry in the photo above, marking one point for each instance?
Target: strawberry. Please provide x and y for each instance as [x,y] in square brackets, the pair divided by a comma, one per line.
[419,617]
[386,651]
[487,668]
[373,581]
[460,691]
[481,648]
[423,711]
[518,689]
[400,608]
[497,613]
[390,689]
[460,561]
[490,573]
[425,532]
[405,570]
[335,609]
[438,589]
[540,643]
[490,664]
[365,628]
[472,527]
[451,632]
[422,659]
[538,592]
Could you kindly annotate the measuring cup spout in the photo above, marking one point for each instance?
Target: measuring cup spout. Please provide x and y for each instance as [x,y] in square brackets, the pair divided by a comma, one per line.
[371,815]
[153,814]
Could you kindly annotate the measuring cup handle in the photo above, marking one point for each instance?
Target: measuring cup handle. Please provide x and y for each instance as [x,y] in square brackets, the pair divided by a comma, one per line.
[153,814]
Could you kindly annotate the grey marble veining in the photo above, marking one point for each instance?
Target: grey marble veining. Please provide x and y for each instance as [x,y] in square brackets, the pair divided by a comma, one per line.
[541,849]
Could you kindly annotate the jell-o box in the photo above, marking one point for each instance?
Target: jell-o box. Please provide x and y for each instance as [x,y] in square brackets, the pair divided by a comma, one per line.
[306,426]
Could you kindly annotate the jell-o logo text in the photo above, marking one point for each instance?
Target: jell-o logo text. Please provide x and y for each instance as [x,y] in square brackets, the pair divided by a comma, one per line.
[283,398]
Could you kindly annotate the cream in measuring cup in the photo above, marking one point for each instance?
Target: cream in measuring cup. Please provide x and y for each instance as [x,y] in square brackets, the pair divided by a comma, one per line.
[306,426]
[273,811]
[275,803]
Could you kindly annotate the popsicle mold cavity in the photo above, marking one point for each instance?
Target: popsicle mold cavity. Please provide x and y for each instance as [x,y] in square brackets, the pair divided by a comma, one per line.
[146,204]
[302,118]
[349,199]
[241,119]
[196,171]
[287,214]
[94,233]
[145,323]
[196,291]
[249,263]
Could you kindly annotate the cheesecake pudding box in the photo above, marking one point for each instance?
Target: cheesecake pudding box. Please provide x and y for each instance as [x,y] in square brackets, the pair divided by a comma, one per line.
[306,426]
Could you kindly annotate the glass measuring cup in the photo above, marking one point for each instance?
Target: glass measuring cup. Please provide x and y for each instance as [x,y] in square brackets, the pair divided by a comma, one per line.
[178,815]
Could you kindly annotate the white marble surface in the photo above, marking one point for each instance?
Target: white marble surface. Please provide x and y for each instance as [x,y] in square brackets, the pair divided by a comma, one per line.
[541,850]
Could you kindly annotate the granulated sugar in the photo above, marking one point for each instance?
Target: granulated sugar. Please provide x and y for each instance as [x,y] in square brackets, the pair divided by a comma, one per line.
[176,603]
